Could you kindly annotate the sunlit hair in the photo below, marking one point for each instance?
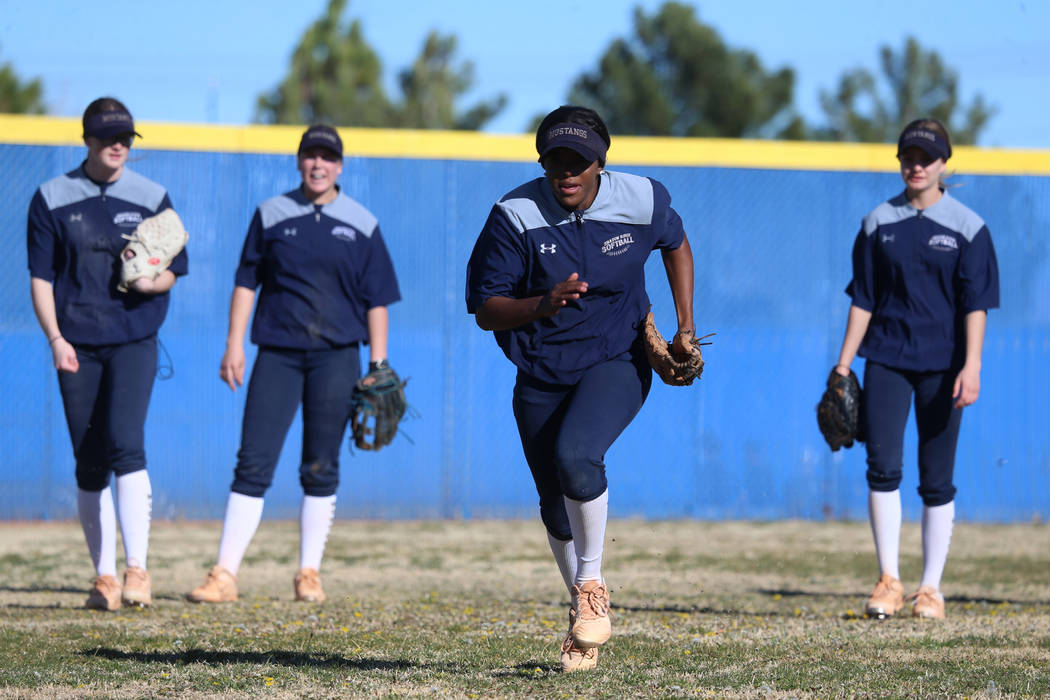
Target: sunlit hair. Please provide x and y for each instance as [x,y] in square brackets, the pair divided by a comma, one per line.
[573,114]
[100,106]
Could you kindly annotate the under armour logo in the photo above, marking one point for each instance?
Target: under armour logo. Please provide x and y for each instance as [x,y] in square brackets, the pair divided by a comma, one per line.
[75,218]
[888,237]
[548,248]
[290,231]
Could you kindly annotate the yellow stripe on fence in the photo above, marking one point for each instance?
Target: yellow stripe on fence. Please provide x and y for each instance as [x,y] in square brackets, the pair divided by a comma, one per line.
[469,145]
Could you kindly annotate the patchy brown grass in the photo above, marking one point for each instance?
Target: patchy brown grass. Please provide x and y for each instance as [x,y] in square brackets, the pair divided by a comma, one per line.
[476,609]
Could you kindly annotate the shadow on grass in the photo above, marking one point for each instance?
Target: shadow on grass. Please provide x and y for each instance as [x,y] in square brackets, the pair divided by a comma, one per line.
[527,669]
[44,589]
[277,656]
[977,600]
[695,610]
[793,593]
[687,609]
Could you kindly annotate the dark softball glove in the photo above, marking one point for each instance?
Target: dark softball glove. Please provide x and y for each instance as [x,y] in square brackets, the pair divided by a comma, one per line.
[672,369]
[377,406]
[838,413]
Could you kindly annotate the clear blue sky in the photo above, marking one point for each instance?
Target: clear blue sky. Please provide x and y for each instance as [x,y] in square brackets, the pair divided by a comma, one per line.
[207,61]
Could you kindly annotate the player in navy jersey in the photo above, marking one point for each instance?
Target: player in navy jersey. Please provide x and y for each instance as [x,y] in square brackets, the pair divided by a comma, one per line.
[325,280]
[558,274]
[103,341]
[924,277]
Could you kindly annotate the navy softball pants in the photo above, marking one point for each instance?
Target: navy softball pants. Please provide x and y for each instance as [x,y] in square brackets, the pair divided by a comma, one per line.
[105,403]
[566,429]
[322,381]
[887,395]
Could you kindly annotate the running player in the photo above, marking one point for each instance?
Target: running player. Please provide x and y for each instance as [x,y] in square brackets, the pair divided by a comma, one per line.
[558,274]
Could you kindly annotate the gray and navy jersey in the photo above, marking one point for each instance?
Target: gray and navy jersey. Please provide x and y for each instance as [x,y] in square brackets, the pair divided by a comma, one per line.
[530,243]
[320,267]
[74,241]
[919,272]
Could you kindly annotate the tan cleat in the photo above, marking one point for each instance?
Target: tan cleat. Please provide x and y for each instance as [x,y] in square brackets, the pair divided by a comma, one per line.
[137,587]
[886,599]
[308,586]
[590,603]
[575,658]
[105,594]
[219,587]
[927,602]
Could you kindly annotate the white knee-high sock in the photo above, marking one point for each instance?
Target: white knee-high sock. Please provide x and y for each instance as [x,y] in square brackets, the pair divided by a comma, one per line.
[99,523]
[565,554]
[243,514]
[937,523]
[134,507]
[315,522]
[587,520]
[884,512]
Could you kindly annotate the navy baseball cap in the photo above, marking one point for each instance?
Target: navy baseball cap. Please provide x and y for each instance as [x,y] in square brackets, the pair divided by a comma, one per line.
[324,136]
[928,140]
[106,125]
[577,137]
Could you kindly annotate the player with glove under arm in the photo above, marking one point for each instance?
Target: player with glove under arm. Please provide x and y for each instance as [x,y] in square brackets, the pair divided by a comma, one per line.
[103,340]
[558,274]
[924,277]
[325,280]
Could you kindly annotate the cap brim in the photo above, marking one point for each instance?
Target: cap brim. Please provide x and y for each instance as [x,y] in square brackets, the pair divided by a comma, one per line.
[110,133]
[326,146]
[573,145]
[923,145]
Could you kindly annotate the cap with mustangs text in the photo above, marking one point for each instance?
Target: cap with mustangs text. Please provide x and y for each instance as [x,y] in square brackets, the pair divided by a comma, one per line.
[324,136]
[577,137]
[926,139]
[106,125]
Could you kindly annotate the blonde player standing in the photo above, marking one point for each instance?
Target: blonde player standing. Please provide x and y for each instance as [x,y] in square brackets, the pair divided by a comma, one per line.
[326,279]
[924,277]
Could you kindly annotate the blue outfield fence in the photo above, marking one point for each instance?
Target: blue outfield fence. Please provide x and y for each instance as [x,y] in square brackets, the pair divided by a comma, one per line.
[772,259]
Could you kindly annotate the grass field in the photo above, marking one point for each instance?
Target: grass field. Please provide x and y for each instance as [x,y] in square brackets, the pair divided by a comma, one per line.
[476,609]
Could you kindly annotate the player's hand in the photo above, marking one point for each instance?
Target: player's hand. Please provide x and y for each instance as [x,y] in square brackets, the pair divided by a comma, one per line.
[231,370]
[562,293]
[681,344]
[144,285]
[967,387]
[65,356]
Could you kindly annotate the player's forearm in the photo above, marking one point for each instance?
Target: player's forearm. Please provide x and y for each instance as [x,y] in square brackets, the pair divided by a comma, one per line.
[43,294]
[504,313]
[976,322]
[240,312]
[856,329]
[678,264]
[378,319]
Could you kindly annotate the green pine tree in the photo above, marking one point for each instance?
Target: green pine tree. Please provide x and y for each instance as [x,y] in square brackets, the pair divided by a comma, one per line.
[915,84]
[676,77]
[18,96]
